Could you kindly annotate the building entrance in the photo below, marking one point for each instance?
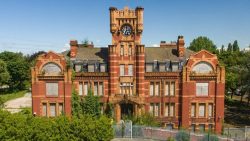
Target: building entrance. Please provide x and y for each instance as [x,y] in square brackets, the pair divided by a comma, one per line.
[127,110]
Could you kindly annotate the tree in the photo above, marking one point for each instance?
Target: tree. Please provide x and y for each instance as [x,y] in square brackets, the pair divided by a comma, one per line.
[18,68]
[4,74]
[32,58]
[85,43]
[222,49]
[91,105]
[76,104]
[236,46]
[202,43]
[229,47]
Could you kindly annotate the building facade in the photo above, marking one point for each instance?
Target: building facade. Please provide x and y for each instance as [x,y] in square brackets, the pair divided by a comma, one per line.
[181,88]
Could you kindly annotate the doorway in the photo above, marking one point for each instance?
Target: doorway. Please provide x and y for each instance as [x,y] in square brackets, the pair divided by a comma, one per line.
[127,110]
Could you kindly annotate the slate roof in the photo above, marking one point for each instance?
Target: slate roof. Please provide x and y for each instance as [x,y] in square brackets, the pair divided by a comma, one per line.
[151,54]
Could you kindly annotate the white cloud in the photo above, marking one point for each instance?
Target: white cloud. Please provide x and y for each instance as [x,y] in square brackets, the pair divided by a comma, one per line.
[155,45]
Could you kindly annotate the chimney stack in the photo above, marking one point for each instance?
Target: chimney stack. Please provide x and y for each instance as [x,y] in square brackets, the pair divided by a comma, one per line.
[180,46]
[73,48]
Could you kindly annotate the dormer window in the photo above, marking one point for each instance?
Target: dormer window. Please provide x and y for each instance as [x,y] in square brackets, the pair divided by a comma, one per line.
[162,67]
[155,65]
[78,68]
[175,66]
[102,67]
[91,68]
[149,67]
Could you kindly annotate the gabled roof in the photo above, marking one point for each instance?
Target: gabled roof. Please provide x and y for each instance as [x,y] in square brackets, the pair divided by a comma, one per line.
[151,54]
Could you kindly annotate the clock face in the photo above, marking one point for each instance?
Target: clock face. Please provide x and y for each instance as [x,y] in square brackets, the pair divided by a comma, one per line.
[126,30]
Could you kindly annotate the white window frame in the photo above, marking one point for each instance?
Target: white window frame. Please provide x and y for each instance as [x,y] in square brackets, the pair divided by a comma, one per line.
[202,110]
[202,89]
[80,89]
[130,70]
[52,86]
[122,70]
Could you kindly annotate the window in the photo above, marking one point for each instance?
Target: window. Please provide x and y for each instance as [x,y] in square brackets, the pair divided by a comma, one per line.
[151,109]
[201,89]
[85,88]
[170,126]
[122,50]
[130,70]
[95,88]
[44,113]
[193,109]
[172,89]
[80,88]
[157,89]
[202,110]
[91,68]
[166,110]
[202,67]
[210,110]
[166,88]
[193,128]
[157,110]
[151,89]
[126,88]
[52,109]
[202,127]
[169,109]
[122,67]
[171,113]
[103,68]
[52,89]
[60,108]
[174,66]
[51,69]
[210,127]
[162,67]
[130,50]
[101,88]
[149,67]
[78,68]
[155,65]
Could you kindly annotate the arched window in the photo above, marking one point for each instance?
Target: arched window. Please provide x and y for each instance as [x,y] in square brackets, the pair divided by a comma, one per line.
[202,67]
[51,69]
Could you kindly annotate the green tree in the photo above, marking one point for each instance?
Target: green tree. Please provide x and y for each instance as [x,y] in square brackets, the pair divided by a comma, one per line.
[182,136]
[85,43]
[76,104]
[202,43]
[229,47]
[4,74]
[236,46]
[91,104]
[222,49]
[18,68]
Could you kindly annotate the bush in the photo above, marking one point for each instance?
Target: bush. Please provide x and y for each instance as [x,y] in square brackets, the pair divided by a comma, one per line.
[182,136]
[23,126]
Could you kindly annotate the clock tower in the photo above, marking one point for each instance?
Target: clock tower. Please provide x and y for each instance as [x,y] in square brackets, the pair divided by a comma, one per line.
[126,60]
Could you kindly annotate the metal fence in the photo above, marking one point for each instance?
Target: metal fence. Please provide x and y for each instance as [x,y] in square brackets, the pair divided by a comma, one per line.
[241,134]
[128,131]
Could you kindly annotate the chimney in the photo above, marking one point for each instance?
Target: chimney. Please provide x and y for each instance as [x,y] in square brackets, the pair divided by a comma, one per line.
[180,46]
[164,44]
[73,48]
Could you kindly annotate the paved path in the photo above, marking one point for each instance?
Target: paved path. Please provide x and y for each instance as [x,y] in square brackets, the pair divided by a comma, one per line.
[16,105]
[134,139]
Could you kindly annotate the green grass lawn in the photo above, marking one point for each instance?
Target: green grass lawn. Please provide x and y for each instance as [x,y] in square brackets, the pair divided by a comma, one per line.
[9,96]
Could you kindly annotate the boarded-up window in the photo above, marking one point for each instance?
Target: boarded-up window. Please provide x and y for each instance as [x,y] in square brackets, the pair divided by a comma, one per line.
[130,70]
[201,110]
[167,88]
[122,67]
[52,89]
[78,68]
[149,67]
[201,89]
[52,109]
[60,108]
[157,109]
[151,109]
[172,111]
[91,68]
[157,89]
[166,112]
[103,68]
[122,50]
[44,109]
[85,88]
[210,110]
[100,88]
[95,88]
[51,69]
[151,93]
[172,89]
[80,88]
[193,109]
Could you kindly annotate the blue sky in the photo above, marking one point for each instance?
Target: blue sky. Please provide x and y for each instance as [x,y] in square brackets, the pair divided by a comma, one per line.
[32,25]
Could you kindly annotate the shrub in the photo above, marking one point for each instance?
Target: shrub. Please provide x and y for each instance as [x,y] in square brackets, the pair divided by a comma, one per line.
[182,136]
[23,126]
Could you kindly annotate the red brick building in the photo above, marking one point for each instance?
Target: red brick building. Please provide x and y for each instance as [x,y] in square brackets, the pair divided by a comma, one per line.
[179,87]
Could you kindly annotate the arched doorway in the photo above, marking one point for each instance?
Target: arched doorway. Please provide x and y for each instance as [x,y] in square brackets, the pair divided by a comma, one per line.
[127,110]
